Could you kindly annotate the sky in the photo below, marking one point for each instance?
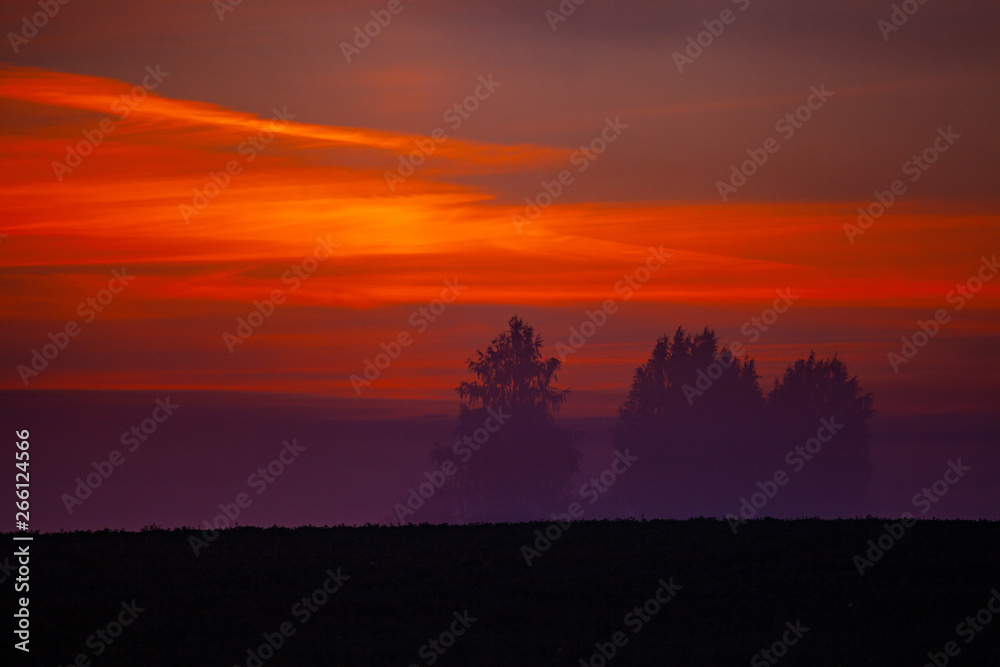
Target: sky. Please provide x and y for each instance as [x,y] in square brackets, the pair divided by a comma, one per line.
[184,165]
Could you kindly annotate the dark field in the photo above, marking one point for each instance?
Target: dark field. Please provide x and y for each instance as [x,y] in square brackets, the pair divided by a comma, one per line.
[401,587]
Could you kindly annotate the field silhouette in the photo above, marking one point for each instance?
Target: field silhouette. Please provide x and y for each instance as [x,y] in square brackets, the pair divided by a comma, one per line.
[402,586]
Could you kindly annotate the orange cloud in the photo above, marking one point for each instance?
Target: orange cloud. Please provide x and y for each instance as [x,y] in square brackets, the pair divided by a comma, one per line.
[122,207]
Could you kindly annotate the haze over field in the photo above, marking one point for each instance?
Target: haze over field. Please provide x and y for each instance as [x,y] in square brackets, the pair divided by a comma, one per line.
[294,230]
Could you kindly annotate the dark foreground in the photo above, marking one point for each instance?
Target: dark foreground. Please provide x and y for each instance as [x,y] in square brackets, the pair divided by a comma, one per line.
[657,592]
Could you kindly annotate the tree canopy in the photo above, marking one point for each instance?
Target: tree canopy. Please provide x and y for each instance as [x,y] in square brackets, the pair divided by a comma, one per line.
[695,417]
[512,374]
[514,462]
[698,418]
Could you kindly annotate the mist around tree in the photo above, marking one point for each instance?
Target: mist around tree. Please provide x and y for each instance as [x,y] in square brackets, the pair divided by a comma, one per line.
[706,433]
[696,417]
[514,462]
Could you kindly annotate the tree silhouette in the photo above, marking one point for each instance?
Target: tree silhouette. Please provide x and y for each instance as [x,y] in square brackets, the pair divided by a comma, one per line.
[810,391]
[520,470]
[678,376]
[513,376]
[690,404]
[696,417]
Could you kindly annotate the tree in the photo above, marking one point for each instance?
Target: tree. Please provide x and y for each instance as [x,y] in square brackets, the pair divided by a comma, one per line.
[691,415]
[692,375]
[513,376]
[835,479]
[515,463]
[697,419]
